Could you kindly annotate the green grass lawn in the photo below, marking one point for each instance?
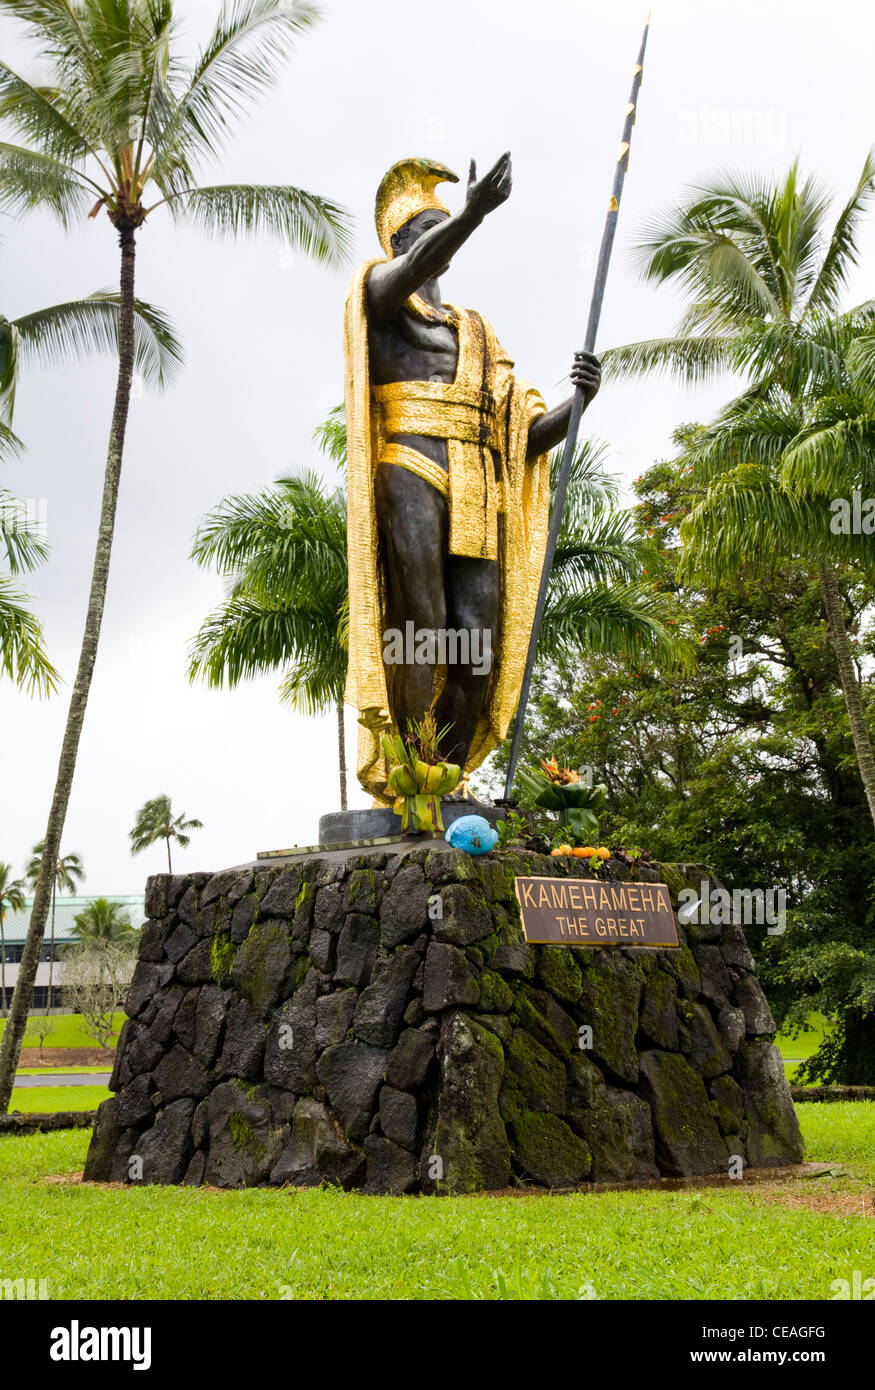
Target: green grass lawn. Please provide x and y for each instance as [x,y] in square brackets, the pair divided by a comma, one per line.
[796,1050]
[715,1243]
[38,1100]
[63,1071]
[69,1032]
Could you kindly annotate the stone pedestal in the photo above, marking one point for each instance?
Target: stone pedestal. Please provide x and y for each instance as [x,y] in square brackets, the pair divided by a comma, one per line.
[376,1020]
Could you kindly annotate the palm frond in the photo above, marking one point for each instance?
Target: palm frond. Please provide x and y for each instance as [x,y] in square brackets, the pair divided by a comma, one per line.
[841,253]
[25,548]
[620,621]
[65,333]
[691,358]
[746,521]
[35,113]
[330,435]
[240,61]
[304,221]
[23,656]
[601,545]
[243,638]
[29,180]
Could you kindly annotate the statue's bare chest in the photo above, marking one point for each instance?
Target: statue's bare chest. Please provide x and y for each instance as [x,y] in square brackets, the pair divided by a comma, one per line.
[409,349]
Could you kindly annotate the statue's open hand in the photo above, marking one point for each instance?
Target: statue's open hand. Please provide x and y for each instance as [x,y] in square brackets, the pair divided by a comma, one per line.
[488,193]
[586,373]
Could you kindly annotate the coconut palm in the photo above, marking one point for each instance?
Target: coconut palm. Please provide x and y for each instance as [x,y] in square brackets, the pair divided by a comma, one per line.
[764,274]
[117,123]
[11,900]
[68,874]
[104,922]
[156,821]
[283,554]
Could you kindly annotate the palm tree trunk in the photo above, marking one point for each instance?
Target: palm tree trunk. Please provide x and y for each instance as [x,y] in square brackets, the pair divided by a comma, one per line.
[2,965]
[22,998]
[341,754]
[850,685]
[169,865]
[52,949]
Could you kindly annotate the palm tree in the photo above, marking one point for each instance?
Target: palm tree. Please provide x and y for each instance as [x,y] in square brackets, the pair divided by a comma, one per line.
[283,553]
[156,821]
[599,599]
[764,278]
[116,119]
[102,922]
[11,900]
[68,873]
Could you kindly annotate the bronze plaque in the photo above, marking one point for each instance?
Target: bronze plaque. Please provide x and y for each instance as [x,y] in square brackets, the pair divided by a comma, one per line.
[589,912]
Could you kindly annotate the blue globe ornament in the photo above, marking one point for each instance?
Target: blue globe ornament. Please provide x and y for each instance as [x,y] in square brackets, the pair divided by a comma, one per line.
[473,834]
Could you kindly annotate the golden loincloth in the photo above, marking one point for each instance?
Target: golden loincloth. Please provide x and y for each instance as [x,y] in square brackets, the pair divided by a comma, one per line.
[403,456]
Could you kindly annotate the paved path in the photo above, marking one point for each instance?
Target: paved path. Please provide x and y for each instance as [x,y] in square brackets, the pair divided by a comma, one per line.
[81,1078]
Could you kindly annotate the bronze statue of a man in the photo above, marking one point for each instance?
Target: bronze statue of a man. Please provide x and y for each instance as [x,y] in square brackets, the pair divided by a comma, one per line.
[449,490]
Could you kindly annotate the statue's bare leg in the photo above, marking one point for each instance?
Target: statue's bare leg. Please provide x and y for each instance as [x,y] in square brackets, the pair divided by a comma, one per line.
[414,521]
[473,592]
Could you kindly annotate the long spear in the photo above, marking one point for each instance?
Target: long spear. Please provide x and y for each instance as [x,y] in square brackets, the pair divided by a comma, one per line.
[577,407]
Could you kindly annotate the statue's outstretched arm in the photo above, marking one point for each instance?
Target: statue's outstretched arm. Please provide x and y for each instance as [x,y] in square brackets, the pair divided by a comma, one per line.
[392,282]
[550,429]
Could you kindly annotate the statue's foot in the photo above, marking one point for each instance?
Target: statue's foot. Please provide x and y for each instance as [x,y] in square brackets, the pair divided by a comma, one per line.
[461,793]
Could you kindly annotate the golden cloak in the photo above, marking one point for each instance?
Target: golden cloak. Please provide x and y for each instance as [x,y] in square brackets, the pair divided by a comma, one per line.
[525,504]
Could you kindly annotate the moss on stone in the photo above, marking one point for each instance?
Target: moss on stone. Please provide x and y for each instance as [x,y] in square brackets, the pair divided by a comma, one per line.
[551,1025]
[682,965]
[361,892]
[302,965]
[675,879]
[241,1133]
[548,1151]
[495,993]
[535,1073]
[610,998]
[245,1088]
[452,866]
[261,964]
[489,945]
[223,953]
[558,972]
[303,919]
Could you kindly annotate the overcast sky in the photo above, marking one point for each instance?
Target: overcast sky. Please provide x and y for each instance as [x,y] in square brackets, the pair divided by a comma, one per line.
[745,84]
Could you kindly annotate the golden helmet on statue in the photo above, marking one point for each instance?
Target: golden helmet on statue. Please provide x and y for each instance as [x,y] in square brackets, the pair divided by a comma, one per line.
[408,189]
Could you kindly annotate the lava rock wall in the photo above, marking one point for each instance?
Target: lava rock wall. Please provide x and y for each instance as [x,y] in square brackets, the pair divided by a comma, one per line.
[379,1022]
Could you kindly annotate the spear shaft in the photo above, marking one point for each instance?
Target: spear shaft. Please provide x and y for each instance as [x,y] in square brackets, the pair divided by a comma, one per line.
[577,406]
